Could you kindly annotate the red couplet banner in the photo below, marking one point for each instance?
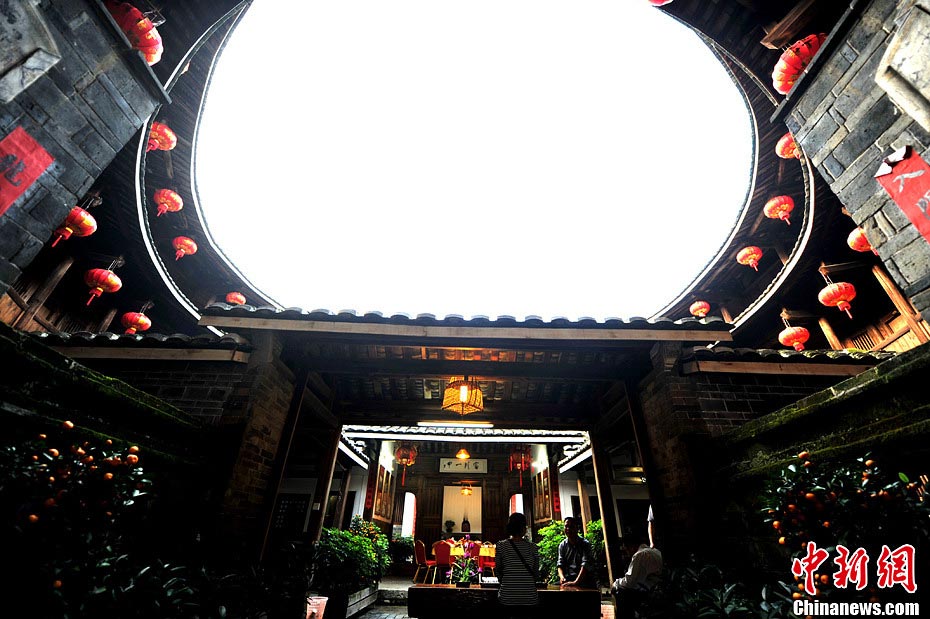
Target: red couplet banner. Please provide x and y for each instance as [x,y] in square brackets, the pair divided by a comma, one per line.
[22,161]
[906,178]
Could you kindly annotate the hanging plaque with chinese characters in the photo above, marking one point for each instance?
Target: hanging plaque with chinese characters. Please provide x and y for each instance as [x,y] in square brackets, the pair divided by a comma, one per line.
[22,161]
[453,465]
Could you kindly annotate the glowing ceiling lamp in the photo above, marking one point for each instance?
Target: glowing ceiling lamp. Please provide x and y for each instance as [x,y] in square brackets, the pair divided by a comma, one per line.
[463,396]
[462,454]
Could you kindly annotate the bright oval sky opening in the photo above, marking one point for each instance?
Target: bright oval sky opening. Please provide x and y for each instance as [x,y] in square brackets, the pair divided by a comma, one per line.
[474,158]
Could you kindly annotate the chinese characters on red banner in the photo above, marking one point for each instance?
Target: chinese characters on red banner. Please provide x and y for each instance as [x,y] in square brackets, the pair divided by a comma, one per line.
[22,161]
[894,567]
[906,178]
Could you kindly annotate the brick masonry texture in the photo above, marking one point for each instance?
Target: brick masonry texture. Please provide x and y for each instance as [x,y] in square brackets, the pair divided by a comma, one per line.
[846,124]
[83,111]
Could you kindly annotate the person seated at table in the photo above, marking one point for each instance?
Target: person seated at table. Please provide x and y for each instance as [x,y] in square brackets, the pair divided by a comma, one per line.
[575,562]
[641,576]
[517,570]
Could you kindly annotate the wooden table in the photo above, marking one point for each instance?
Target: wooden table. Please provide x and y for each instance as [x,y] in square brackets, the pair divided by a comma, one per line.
[449,602]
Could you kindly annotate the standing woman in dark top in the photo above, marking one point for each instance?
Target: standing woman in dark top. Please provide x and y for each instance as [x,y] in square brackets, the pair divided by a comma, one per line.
[517,567]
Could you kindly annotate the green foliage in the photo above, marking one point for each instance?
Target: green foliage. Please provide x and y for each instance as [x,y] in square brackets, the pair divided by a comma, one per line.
[379,542]
[594,533]
[346,561]
[400,549]
[547,541]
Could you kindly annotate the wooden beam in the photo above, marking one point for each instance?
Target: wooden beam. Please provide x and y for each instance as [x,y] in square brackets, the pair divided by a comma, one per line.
[476,370]
[38,299]
[515,334]
[761,367]
[901,304]
[430,409]
[152,354]
[601,460]
[830,334]
[785,31]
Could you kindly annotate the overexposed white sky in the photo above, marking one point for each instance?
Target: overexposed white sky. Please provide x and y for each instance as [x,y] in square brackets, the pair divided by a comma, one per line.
[559,158]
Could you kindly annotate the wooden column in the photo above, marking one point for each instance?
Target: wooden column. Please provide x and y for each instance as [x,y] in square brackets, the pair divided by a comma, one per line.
[585,500]
[107,320]
[831,336]
[280,459]
[37,300]
[605,497]
[725,314]
[323,484]
[901,304]
[343,496]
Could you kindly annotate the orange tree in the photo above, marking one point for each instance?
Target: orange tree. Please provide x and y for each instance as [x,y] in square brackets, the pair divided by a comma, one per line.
[855,504]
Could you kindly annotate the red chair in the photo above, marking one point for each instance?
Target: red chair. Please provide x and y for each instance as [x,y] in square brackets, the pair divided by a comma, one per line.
[443,553]
[487,565]
[419,553]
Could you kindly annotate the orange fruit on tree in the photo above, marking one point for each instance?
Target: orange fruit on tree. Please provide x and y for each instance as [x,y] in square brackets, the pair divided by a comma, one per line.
[134,449]
[810,496]
[776,524]
[42,437]
[67,425]
[57,584]
[796,595]
[33,518]
[132,458]
[808,464]
[53,452]
[782,541]
[108,476]
[824,579]
[804,455]
[870,463]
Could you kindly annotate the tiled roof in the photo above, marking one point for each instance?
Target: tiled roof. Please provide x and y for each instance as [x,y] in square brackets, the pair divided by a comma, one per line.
[725,353]
[230,341]
[455,320]
[482,433]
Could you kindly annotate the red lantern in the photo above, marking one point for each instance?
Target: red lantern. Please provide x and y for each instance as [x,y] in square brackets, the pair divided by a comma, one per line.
[838,295]
[161,137]
[659,2]
[138,28]
[100,281]
[793,62]
[135,321]
[405,455]
[749,256]
[78,223]
[699,308]
[858,241]
[779,207]
[520,460]
[794,337]
[183,246]
[235,298]
[168,201]
[787,148]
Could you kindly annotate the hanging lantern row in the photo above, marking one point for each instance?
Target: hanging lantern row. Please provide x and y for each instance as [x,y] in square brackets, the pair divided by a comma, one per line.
[100,281]
[167,201]
[779,207]
[405,455]
[699,308]
[139,29]
[235,298]
[787,148]
[793,336]
[520,460]
[749,256]
[183,246]
[78,223]
[857,241]
[161,137]
[794,60]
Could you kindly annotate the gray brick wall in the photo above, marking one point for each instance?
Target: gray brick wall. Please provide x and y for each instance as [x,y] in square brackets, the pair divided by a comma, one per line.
[846,124]
[83,111]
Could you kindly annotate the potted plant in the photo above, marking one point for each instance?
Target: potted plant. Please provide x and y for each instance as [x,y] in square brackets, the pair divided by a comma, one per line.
[450,524]
[465,568]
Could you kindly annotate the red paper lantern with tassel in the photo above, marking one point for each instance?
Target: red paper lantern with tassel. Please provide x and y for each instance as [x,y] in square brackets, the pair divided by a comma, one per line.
[794,337]
[100,281]
[78,223]
[161,137]
[838,295]
[235,298]
[135,321]
[660,2]
[749,256]
[183,246]
[405,455]
[779,207]
[794,60]
[520,460]
[858,241]
[138,28]
[699,308]
[787,147]
[167,201]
